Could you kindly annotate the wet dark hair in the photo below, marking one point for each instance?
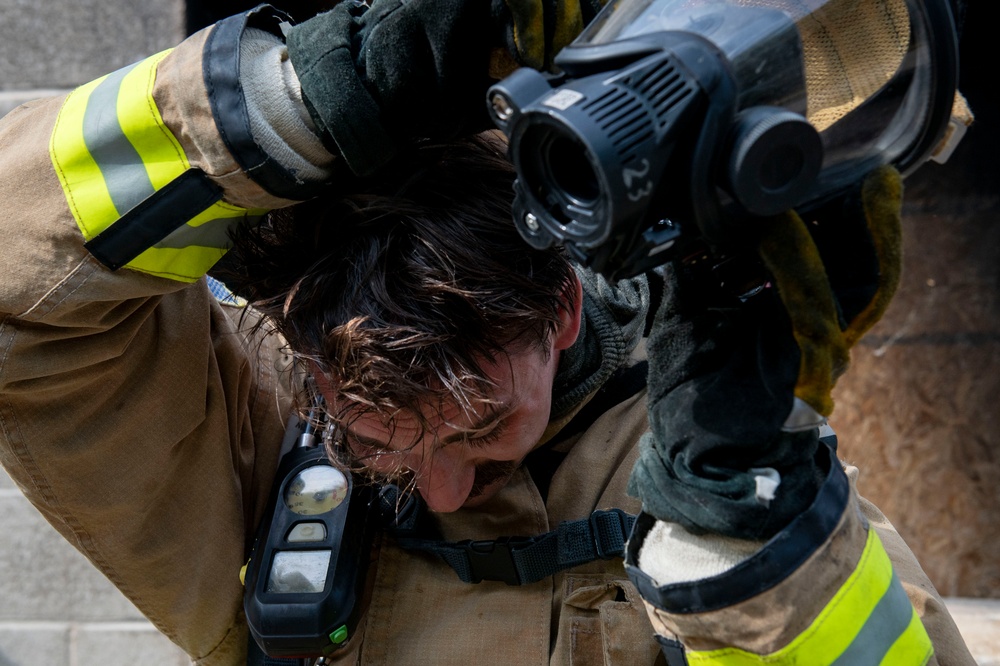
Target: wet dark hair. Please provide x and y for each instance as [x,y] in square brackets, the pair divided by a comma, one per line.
[400,289]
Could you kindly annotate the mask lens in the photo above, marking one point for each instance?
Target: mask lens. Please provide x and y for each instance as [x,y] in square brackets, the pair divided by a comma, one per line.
[876,78]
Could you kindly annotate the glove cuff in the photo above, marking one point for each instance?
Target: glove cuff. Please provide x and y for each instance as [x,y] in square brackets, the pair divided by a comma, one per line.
[821,591]
[767,568]
[279,121]
[221,59]
[671,554]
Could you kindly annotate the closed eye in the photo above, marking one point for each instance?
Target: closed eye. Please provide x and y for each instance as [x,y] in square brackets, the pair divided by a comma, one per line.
[484,440]
[488,429]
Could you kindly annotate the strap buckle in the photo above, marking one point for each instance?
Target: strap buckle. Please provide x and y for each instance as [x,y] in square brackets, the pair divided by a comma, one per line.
[610,529]
[494,560]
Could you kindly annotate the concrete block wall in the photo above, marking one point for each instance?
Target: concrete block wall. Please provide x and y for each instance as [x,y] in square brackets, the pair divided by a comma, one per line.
[59,44]
[55,608]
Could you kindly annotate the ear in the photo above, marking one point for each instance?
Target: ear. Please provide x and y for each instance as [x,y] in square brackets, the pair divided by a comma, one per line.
[569,315]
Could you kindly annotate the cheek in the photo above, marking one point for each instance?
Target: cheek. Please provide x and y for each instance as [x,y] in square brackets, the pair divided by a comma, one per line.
[538,406]
[536,402]
[523,433]
[445,484]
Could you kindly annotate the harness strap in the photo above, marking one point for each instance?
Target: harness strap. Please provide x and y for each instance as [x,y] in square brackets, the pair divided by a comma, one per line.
[524,560]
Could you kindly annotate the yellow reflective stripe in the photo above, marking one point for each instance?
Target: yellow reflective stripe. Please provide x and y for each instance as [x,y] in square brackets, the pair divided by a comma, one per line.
[569,23]
[913,647]
[78,173]
[189,263]
[84,127]
[528,27]
[141,122]
[111,150]
[838,625]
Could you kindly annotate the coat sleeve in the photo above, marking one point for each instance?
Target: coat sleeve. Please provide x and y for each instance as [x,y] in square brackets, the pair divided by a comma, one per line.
[836,586]
[133,412]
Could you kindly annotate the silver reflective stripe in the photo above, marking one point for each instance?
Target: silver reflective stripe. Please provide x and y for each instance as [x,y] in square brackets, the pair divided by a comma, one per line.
[124,173]
[887,622]
[214,233]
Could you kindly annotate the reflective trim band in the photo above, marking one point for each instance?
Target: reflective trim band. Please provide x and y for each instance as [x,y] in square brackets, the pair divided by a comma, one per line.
[190,251]
[115,159]
[890,618]
[105,136]
[912,647]
[869,621]
[104,159]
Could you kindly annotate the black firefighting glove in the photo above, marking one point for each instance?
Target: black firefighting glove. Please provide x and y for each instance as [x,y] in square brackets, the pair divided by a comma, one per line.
[737,388]
[404,69]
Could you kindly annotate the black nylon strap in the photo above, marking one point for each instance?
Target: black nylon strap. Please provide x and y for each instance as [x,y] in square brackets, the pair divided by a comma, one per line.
[524,560]
[154,218]
[672,651]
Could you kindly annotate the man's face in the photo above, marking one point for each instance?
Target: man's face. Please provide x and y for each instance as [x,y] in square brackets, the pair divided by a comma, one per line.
[466,456]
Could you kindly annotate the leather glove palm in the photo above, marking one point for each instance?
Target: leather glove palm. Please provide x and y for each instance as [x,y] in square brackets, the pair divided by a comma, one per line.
[419,68]
[738,388]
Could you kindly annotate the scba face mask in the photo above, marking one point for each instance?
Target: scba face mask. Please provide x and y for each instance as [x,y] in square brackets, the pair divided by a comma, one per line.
[671,119]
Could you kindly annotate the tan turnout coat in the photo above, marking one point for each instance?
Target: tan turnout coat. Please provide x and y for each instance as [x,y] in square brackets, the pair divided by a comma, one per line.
[138,419]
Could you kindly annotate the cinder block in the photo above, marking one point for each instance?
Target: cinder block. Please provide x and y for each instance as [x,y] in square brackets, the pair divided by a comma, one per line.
[30,643]
[42,577]
[124,644]
[63,43]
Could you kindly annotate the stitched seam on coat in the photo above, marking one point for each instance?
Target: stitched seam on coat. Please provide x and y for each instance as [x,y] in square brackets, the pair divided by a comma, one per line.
[575,630]
[222,641]
[43,307]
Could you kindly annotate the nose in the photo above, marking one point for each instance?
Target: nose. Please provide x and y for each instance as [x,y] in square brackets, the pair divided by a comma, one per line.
[446,479]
